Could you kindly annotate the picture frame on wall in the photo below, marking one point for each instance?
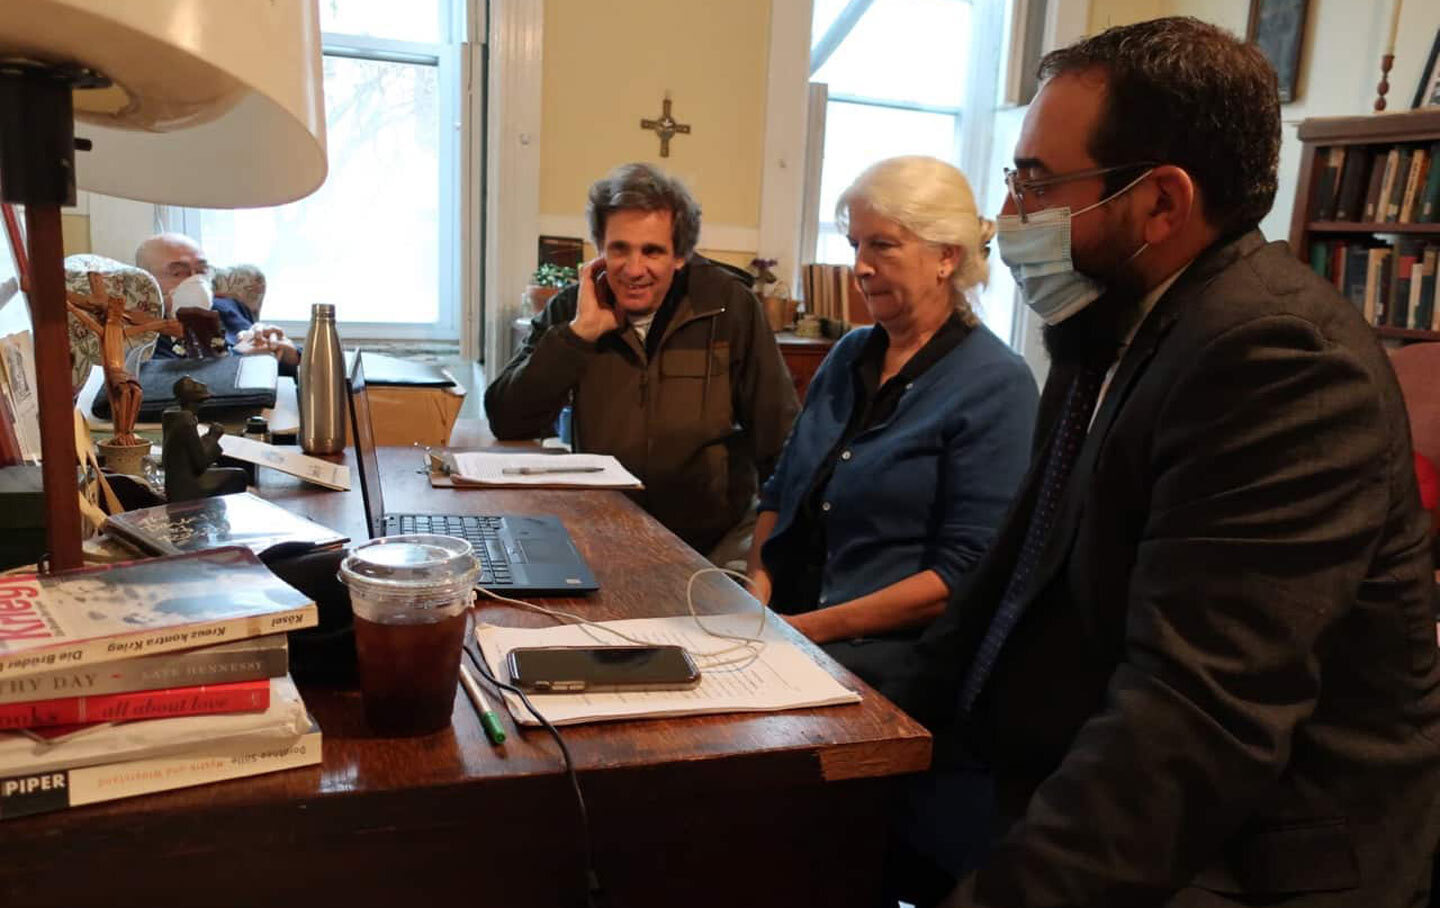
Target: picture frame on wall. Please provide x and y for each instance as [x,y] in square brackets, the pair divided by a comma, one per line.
[1277,27]
[1427,93]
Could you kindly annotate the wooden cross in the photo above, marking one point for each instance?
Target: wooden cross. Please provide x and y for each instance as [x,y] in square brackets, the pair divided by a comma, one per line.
[665,127]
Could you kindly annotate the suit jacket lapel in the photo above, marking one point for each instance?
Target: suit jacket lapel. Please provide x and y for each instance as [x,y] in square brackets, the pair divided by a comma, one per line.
[1132,365]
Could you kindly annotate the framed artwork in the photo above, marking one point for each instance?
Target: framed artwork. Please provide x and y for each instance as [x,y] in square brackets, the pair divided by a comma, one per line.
[1427,93]
[566,251]
[1277,27]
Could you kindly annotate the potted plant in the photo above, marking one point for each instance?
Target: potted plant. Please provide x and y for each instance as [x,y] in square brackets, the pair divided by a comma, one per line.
[547,281]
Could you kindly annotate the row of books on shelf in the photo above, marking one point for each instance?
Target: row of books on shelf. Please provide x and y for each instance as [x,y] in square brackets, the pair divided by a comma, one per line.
[1377,185]
[1393,284]
[830,292]
[147,676]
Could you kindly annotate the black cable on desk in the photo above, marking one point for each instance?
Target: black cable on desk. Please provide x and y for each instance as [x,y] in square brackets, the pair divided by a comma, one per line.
[595,893]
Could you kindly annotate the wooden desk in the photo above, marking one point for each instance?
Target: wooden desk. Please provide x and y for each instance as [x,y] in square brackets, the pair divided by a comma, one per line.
[802,356]
[765,809]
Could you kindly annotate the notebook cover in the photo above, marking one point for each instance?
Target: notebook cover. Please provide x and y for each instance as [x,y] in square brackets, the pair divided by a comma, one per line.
[222,375]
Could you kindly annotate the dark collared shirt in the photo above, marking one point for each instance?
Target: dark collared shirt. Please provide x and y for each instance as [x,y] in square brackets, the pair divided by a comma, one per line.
[798,587]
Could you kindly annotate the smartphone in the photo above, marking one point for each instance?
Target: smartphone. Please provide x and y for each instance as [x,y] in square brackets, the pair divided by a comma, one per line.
[603,294]
[561,669]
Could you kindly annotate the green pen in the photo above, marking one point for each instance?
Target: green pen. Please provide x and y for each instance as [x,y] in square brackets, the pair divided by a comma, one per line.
[488,718]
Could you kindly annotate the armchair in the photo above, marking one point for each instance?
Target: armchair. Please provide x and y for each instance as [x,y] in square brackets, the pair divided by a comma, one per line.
[243,283]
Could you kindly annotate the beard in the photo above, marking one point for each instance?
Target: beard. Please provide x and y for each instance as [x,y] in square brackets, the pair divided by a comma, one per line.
[1094,335]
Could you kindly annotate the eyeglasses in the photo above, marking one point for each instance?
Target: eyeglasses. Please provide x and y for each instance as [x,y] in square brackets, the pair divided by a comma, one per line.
[1021,188]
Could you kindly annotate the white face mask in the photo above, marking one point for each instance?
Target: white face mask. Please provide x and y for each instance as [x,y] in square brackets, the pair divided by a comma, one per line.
[1037,252]
[193,292]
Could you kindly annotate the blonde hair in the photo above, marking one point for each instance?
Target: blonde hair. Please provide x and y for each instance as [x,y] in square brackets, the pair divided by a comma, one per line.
[933,200]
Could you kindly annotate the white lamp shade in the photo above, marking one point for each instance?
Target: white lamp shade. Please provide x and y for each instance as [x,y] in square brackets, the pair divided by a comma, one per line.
[216,104]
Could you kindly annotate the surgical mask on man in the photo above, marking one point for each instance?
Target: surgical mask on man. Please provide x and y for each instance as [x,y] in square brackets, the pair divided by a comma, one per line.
[193,292]
[1037,251]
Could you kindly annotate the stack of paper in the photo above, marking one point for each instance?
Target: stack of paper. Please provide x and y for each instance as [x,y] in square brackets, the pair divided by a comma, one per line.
[781,676]
[554,471]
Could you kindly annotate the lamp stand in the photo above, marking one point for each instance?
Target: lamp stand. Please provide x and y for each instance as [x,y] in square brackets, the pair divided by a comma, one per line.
[37,170]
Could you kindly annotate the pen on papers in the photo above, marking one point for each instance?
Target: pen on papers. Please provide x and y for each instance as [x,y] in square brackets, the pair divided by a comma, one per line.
[538,471]
[488,719]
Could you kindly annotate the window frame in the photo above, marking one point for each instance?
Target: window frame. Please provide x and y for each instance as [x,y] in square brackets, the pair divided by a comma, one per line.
[446,57]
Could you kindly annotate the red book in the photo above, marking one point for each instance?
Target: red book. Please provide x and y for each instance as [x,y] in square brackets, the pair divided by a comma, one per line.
[238,696]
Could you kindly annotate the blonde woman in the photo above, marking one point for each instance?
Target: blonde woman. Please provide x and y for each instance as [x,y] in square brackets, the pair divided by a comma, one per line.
[914,435]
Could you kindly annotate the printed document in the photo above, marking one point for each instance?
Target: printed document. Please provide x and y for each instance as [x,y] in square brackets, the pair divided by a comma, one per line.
[287,460]
[551,471]
[779,676]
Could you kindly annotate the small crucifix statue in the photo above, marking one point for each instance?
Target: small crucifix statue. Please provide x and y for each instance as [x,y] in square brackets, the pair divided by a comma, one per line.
[104,315]
[665,127]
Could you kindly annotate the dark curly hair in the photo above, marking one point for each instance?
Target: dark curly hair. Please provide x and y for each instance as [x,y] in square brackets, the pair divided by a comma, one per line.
[1184,92]
[644,187]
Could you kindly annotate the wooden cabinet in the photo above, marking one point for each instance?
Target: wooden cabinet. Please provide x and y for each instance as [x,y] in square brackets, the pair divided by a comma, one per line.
[803,356]
[1353,225]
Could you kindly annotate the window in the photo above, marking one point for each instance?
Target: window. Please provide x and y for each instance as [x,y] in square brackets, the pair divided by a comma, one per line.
[379,239]
[901,77]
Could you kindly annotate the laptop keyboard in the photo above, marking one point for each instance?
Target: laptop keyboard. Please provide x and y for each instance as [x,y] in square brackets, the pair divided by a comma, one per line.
[482,532]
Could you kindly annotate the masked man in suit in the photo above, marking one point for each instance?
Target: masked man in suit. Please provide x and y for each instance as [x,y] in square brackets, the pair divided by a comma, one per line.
[1199,662]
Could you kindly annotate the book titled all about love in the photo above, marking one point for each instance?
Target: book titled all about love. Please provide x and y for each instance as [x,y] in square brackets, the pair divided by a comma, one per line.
[139,608]
[202,700]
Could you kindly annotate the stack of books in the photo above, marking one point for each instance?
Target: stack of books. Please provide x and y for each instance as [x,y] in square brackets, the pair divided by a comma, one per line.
[145,676]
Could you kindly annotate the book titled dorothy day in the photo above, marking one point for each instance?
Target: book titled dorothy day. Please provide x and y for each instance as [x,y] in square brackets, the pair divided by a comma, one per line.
[138,608]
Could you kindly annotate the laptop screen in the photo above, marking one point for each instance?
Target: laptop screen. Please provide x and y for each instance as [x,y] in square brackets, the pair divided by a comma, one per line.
[365,460]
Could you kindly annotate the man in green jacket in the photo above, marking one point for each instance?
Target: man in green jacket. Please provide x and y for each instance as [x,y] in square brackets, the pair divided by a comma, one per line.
[668,361]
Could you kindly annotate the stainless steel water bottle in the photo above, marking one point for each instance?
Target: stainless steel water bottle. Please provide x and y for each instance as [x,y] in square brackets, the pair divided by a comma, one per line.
[321,379]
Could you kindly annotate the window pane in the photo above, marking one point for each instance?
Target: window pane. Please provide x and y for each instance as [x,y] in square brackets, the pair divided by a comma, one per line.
[410,20]
[903,50]
[858,135]
[823,17]
[368,240]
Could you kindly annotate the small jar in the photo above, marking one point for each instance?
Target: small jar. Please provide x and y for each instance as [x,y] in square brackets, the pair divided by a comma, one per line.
[256,429]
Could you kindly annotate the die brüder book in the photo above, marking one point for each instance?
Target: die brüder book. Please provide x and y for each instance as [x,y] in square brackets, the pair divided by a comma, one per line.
[139,608]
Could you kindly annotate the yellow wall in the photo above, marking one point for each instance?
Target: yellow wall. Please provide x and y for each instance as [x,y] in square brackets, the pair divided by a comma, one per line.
[608,66]
[75,233]
[1105,13]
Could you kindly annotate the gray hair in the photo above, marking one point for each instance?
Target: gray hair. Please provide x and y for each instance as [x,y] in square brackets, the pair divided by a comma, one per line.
[933,200]
[644,187]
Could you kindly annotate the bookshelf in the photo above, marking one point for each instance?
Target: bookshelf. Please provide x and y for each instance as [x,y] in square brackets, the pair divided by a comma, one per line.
[1364,221]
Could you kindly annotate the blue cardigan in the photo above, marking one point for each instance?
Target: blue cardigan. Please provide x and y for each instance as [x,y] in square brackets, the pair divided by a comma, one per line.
[926,488]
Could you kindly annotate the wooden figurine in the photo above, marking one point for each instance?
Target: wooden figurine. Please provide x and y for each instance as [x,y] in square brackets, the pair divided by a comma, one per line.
[107,317]
[187,455]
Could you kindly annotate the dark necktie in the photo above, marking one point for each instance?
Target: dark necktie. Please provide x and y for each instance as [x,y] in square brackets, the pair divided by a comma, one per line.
[1059,460]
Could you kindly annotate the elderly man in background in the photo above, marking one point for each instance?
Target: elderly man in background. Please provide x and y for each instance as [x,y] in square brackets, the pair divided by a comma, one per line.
[185,277]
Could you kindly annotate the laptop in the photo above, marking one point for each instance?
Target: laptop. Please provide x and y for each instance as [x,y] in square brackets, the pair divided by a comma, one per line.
[531,555]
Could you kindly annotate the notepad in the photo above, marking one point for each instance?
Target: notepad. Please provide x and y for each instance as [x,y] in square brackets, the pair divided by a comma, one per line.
[551,471]
[782,676]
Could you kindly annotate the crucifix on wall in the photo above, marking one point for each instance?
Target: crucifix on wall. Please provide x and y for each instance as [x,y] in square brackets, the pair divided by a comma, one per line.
[665,127]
